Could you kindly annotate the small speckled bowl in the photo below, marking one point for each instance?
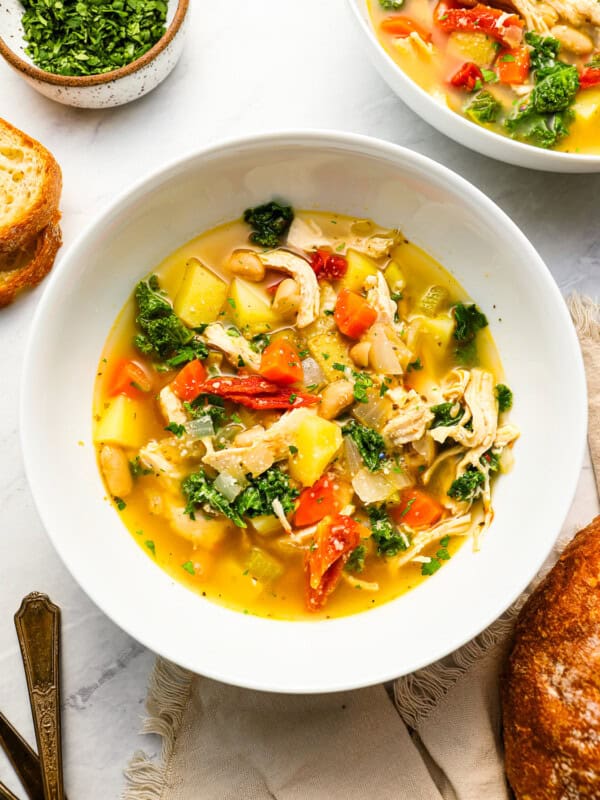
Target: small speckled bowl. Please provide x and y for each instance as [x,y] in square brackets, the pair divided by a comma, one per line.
[95,91]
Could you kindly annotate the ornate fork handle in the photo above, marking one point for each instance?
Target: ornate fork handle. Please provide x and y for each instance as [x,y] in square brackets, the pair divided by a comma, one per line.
[38,628]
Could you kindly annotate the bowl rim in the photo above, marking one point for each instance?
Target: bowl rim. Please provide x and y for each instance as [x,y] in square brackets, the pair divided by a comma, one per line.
[78,81]
[520,150]
[231,673]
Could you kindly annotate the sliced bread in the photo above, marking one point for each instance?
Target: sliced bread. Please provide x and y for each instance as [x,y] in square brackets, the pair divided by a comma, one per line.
[30,186]
[25,267]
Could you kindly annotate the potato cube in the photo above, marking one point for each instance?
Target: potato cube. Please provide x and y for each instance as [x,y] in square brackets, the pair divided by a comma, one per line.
[317,441]
[201,295]
[360,267]
[251,309]
[125,422]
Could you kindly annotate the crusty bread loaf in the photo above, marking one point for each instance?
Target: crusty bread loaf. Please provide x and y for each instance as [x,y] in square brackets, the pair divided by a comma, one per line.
[30,186]
[25,267]
[551,688]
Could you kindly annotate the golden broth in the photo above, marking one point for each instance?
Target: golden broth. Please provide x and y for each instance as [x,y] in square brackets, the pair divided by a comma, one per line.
[432,72]
[220,574]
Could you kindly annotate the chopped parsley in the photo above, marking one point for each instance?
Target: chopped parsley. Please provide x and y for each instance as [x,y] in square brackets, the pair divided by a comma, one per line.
[468,486]
[391,5]
[415,365]
[257,498]
[370,444]
[431,567]
[120,503]
[362,383]
[189,567]
[259,342]
[269,223]
[389,542]
[356,561]
[446,414]
[176,429]
[504,397]
[469,320]
[137,469]
[151,546]
[163,336]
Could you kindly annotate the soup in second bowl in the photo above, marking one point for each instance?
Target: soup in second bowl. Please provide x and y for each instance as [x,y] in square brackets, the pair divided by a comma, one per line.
[300,415]
[530,70]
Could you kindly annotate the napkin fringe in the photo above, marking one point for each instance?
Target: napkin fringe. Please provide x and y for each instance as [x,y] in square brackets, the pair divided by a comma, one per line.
[418,694]
[168,695]
[586,316]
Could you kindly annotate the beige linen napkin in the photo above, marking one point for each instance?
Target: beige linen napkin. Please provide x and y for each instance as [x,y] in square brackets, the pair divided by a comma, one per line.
[440,741]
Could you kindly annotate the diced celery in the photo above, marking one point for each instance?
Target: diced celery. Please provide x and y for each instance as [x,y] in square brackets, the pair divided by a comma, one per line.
[433,300]
[394,277]
[262,566]
[267,525]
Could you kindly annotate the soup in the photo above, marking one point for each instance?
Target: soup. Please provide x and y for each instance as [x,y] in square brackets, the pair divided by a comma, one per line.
[300,415]
[530,70]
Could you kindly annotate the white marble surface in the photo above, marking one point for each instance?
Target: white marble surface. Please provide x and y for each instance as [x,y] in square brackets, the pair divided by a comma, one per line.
[247,67]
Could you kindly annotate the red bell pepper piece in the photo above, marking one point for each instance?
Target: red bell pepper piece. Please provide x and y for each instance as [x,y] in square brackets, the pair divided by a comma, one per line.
[417,509]
[334,540]
[280,363]
[468,77]
[186,383]
[323,499]
[129,378]
[352,314]
[254,392]
[513,65]
[504,28]
[589,76]
[329,266]
[402,27]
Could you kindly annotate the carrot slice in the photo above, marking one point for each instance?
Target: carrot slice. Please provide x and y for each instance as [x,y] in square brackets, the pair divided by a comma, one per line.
[323,499]
[403,27]
[513,65]
[417,509]
[280,363]
[188,381]
[353,315]
[129,378]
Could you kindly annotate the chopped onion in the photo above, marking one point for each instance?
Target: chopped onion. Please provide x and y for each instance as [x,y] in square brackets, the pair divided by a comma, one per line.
[382,356]
[398,478]
[375,413]
[353,458]
[313,374]
[228,486]
[507,460]
[372,487]
[200,427]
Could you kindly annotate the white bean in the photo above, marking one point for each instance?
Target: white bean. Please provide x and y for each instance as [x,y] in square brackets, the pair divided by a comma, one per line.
[286,302]
[360,353]
[246,264]
[573,40]
[115,468]
[335,398]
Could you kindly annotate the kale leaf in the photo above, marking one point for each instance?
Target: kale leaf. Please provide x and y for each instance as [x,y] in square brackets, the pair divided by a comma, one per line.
[198,490]
[443,417]
[468,486]
[164,335]
[207,405]
[356,562]
[391,5]
[483,108]
[370,444]
[389,542]
[257,499]
[504,397]
[469,321]
[545,50]
[270,222]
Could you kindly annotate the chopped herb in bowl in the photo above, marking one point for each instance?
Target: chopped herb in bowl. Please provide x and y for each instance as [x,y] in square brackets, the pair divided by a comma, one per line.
[83,37]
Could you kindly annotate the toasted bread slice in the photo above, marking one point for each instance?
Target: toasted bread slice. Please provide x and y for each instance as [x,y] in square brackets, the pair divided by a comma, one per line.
[25,267]
[30,186]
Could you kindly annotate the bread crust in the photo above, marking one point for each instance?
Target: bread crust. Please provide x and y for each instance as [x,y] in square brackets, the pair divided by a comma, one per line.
[551,686]
[15,234]
[16,276]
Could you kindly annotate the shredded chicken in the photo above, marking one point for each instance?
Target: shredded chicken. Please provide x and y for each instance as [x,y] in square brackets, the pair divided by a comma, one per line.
[202,532]
[455,526]
[451,452]
[170,457]
[454,384]
[482,410]
[303,274]
[234,347]
[268,447]
[357,583]
[378,296]
[171,407]
[411,417]
[577,12]
[506,435]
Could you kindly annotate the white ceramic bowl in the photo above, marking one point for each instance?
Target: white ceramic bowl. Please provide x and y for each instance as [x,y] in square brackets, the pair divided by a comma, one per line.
[456,126]
[355,175]
[96,91]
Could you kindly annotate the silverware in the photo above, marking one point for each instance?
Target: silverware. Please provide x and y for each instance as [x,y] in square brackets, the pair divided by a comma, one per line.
[38,629]
[23,759]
